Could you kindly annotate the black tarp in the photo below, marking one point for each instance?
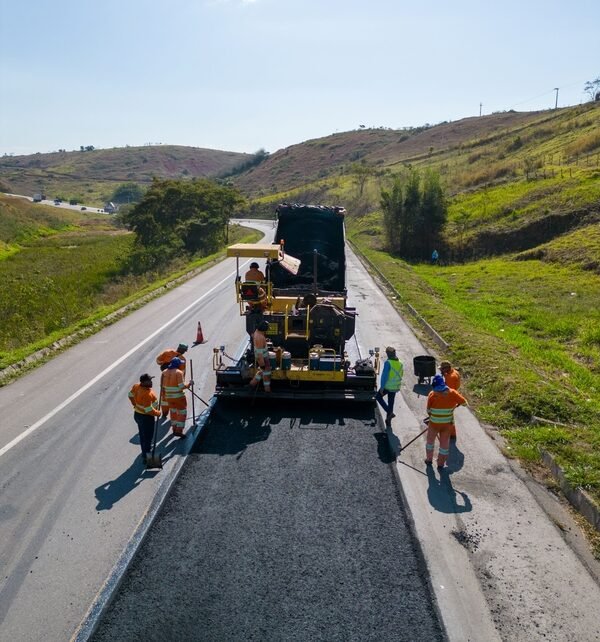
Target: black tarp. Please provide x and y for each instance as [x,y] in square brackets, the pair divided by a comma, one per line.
[306,229]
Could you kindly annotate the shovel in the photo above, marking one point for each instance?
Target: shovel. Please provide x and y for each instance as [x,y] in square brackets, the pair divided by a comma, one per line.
[154,461]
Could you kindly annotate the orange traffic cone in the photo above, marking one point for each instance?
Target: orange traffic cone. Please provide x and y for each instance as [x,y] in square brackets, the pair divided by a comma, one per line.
[199,335]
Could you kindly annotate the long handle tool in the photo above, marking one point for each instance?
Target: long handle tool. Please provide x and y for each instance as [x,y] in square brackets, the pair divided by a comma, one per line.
[192,389]
[155,461]
[200,398]
[415,439]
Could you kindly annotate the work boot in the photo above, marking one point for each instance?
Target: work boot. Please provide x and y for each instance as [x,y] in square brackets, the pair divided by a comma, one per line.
[429,462]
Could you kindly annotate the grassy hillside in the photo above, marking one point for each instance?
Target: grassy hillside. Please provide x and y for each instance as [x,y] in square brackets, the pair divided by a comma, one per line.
[518,293]
[61,271]
[381,148]
[91,176]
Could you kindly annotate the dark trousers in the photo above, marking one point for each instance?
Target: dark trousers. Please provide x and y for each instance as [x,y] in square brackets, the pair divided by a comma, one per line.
[145,424]
[389,406]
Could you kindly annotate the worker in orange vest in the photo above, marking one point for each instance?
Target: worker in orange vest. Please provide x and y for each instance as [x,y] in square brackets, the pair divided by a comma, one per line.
[145,408]
[254,274]
[173,399]
[452,379]
[441,403]
[163,360]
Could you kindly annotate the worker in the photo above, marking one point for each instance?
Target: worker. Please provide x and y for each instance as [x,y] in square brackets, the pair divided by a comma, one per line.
[452,380]
[173,399]
[441,403]
[450,374]
[163,360]
[145,408]
[261,303]
[391,378]
[435,257]
[261,357]
[254,274]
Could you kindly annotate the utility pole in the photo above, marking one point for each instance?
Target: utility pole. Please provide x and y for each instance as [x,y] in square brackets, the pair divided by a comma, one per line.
[480,106]
[556,101]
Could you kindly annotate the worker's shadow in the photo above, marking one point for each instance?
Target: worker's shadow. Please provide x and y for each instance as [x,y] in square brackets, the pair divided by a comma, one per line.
[456,459]
[109,493]
[442,495]
[170,445]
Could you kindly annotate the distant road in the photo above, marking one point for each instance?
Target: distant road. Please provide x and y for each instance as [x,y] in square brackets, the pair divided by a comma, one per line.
[62,204]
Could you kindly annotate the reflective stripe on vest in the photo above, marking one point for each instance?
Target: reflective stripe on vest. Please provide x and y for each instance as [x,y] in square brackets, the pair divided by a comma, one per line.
[173,392]
[441,415]
[394,375]
[147,410]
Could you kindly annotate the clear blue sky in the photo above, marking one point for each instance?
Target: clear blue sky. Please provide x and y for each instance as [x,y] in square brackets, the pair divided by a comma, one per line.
[242,75]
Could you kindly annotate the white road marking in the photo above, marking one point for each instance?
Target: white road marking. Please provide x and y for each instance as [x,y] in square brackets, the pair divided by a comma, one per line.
[97,378]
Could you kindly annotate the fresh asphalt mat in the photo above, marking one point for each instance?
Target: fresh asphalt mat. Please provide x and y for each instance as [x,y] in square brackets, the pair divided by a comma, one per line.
[285,524]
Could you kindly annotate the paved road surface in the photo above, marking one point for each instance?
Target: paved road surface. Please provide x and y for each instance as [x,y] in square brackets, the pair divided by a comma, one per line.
[72,486]
[286,524]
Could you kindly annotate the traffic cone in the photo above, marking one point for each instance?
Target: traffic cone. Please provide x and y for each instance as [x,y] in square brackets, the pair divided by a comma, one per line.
[199,335]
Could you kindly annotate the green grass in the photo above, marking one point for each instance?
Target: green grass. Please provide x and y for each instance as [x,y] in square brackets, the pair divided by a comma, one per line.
[56,286]
[52,283]
[526,337]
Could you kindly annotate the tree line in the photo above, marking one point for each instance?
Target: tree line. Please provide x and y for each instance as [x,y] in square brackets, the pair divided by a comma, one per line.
[178,218]
[414,214]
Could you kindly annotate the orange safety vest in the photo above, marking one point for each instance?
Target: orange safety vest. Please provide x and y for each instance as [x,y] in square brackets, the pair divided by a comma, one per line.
[254,275]
[164,358]
[452,379]
[172,384]
[441,405]
[144,400]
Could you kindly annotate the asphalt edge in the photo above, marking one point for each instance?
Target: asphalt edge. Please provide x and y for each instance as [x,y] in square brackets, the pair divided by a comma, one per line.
[422,558]
[88,626]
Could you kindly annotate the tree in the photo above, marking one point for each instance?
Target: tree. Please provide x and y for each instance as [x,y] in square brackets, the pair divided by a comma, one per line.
[392,205]
[412,211]
[180,217]
[414,214]
[592,88]
[361,172]
[127,193]
[432,215]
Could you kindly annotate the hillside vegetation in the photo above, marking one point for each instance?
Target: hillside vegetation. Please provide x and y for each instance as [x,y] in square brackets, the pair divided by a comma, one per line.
[63,271]
[517,291]
[517,296]
[92,176]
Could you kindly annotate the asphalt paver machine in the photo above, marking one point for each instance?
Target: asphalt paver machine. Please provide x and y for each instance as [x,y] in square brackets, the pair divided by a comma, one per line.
[312,348]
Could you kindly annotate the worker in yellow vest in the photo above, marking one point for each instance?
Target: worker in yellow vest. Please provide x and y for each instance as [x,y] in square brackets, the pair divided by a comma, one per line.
[391,379]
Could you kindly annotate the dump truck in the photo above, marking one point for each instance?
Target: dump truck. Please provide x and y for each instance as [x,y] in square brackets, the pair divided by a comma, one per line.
[303,298]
